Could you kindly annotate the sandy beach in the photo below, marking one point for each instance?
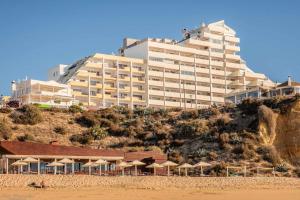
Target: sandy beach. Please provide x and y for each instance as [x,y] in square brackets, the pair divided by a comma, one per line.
[14,187]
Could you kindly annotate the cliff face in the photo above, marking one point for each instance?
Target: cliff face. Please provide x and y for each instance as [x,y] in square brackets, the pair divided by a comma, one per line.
[282,131]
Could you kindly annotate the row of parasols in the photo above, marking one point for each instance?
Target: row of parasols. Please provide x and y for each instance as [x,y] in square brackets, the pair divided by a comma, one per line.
[122,165]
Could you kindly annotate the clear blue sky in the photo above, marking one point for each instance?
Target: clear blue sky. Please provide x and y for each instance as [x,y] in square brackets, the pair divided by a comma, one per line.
[38,34]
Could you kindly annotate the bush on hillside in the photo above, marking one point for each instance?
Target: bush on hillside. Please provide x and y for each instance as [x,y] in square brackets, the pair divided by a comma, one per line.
[60,130]
[75,109]
[5,110]
[81,138]
[25,137]
[28,114]
[5,131]
[269,154]
[250,106]
[87,119]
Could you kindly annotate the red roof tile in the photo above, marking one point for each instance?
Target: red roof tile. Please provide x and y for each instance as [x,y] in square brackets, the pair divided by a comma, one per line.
[30,148]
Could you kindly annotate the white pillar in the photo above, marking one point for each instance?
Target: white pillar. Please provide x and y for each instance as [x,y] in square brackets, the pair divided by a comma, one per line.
[6,165]
[90,168]
[55,167]
[73,167]
[39,170]
[21,167]
[65,168]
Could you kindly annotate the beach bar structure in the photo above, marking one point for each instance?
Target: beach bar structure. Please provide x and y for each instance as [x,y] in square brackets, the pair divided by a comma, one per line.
[58,159]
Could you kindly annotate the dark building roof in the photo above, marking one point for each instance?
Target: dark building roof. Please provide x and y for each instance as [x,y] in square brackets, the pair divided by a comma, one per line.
[30,148]
[284,84]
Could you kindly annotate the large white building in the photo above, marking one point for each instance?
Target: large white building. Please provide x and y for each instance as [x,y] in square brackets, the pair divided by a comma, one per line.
[49,93]
[197,71]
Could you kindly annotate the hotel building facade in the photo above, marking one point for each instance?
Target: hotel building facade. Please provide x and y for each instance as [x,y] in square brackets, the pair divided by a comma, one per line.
[198,71]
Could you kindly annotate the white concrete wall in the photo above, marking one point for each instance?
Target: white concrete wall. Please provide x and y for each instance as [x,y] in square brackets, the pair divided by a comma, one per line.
[54,73]
[138,51]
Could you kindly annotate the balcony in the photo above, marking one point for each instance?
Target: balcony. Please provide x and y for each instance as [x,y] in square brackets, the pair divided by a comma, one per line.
[163,65]
[216,63]
[232,57]
[233,65]
[93,65]
[173,103]
[171,75]
[155,73]
[138,80]
[218,90]
[232,39]
[156,92]
[232,48]
[78,83]
[203,97]
[172,94]
[156,102]
[218,99]
[198,42]
[172,85]
[156,83]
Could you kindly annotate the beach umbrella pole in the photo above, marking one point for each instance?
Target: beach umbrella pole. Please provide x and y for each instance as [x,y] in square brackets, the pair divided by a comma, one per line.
[65,168]
[135,167]
[201,170]
[179,171]
[100,170]
[185,171]
[168,170]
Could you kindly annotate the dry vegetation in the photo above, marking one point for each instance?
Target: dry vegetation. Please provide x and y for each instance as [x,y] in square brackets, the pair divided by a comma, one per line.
[228,134]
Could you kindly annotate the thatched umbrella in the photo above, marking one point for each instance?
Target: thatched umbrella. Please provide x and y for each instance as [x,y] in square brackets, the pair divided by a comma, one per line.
[99,163]
[89,165]
[19,163]
[169,164]
[154,166]
[136,163]
[201,165]
[30,160]
[185,166]
[66,161]
[55,164]
[123,165]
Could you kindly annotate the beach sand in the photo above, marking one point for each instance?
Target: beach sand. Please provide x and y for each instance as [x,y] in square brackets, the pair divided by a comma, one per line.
[14,187]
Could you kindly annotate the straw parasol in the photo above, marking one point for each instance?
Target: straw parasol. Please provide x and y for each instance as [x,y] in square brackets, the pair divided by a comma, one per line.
[154,166]
[169,164]
[89,165]
[66,161]
[201,165]
[123,165]
[136,163]
[30,160]
[55,164]
[185,166]
[99,163]
[19,163]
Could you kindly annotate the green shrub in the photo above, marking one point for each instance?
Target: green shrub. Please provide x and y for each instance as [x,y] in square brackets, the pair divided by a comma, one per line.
[98,133]
[189,114]
[269,154]
[5,110]
[250,106]
[87,119]
[75,109]
[81,138]
[60,130]
[297,171]
[212,155]
[5,130]
[28,114]
[25,137]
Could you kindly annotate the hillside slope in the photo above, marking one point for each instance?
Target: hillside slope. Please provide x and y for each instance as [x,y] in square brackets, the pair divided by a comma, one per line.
[257,133]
